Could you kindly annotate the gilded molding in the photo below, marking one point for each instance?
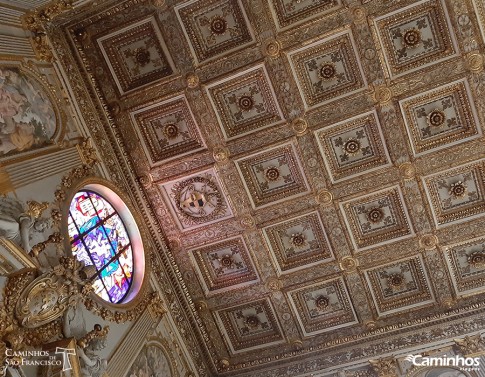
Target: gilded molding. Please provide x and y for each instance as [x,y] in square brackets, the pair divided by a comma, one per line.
[35,22]
[471,346]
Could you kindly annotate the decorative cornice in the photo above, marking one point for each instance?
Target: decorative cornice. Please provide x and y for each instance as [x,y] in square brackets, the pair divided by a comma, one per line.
[36,21]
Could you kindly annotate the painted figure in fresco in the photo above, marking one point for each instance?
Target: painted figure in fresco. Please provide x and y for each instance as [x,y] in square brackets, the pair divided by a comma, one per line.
[18,223]
[27,118]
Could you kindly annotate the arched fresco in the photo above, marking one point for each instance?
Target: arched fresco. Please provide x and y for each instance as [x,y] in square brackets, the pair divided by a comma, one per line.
[27,114]
[150,362]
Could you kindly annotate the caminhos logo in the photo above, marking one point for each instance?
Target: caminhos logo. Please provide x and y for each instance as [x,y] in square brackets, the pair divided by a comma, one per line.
[464,363]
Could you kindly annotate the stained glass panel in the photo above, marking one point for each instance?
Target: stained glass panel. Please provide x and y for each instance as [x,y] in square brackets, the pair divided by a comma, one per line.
[81,253]
[116,232]
[103,208]
[83,212]
[71,227]
[115,281]
[126,261]
[98,236]
[99,247]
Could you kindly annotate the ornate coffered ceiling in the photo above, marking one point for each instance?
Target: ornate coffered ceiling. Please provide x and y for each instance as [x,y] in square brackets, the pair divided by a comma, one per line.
[315,167]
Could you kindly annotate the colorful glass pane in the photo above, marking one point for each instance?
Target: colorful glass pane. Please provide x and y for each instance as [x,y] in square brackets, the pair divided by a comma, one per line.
[99,247]
[83,212]
[80,252]
[115,281]
[98,236]
[71,228]
[126,261]
[100,290]
[116,232]
[103,208]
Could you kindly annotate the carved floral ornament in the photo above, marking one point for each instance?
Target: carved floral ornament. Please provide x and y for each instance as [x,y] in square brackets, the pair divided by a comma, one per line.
[300,126]
[475,62]
[348,264]
[271,48]
[381,94]
[385,367]
[36,21]
[428,241]
[327,71]
[470,346]
[477,259]
[411,38]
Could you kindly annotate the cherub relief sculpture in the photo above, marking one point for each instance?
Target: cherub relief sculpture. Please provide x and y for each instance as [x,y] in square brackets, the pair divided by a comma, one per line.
[92,365]
[88,343]
[18,223]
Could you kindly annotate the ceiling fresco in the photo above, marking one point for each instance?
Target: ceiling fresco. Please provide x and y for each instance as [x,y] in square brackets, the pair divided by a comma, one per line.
[315,167]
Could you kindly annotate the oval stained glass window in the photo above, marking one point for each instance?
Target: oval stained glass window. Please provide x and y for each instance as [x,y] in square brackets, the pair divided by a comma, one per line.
[99,238]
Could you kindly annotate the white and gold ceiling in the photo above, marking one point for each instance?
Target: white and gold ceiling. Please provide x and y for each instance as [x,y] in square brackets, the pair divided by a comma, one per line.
[317,167]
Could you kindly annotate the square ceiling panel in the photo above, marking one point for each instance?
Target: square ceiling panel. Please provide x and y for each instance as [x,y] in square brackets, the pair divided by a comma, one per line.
[290,12]
[353,147]
[400,286]
[456,194]
[298,243]
[440,118]
[136,55]
[323,307]
[415,37]
[377,218]
[214,27]
[167,129]
[273,175]
[250,326]
[328,69]
[224,265]
[245,102]
[466,261]
[197,200]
